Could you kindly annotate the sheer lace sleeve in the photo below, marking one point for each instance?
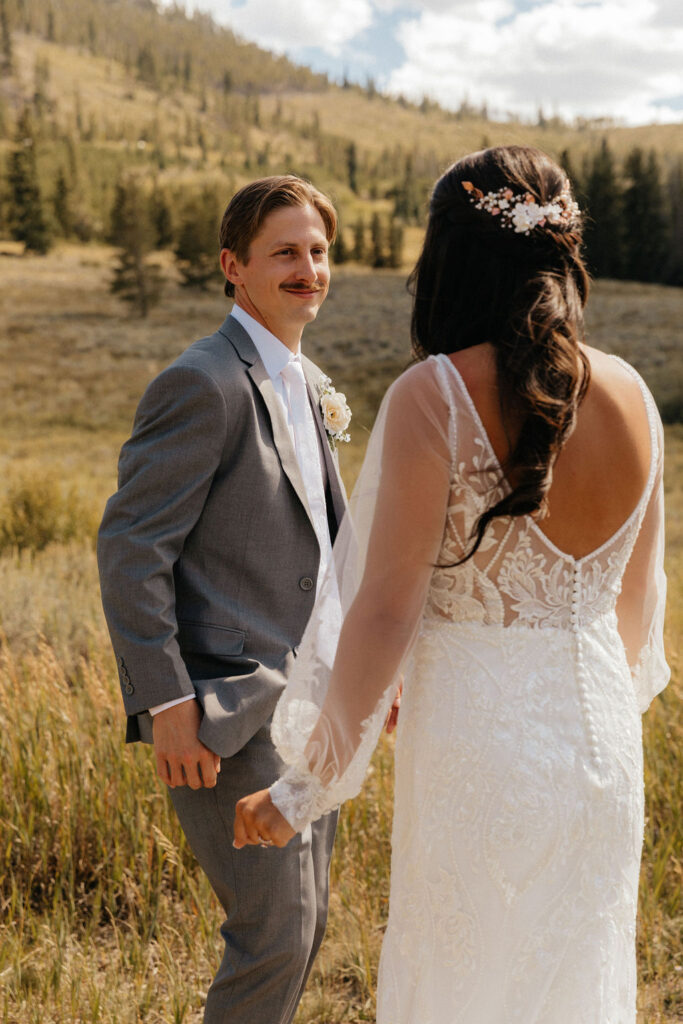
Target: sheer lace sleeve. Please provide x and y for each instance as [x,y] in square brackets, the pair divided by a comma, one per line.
[640,607]
[329,718]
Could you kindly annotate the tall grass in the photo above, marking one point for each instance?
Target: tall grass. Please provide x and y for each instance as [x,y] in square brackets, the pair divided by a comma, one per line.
[104,915]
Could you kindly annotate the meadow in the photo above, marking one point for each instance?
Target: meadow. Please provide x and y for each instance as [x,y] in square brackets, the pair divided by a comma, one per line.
[104,915]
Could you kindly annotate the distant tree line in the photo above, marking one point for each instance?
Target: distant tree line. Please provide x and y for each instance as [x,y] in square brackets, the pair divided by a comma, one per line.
[76,171]
[633,207]
[634,214]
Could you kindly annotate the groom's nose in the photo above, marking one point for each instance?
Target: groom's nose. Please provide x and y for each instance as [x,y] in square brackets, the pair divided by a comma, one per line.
[306,269]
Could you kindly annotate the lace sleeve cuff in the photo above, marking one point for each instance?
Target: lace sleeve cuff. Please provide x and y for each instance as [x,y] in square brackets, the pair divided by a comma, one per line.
[650,675]
[300,797]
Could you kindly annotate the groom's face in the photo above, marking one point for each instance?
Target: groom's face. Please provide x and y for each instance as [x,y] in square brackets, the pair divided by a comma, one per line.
[286,276]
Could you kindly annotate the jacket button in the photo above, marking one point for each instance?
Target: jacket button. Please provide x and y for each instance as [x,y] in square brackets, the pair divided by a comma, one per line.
[130,688]
[306,583]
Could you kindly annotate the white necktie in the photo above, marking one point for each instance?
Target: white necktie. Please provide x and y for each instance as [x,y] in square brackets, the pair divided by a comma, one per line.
[308,455]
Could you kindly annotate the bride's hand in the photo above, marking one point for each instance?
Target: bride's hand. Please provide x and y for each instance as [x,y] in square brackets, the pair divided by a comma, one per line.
[259,823]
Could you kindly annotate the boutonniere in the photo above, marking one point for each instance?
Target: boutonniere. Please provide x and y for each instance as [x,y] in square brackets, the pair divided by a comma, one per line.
[336,413]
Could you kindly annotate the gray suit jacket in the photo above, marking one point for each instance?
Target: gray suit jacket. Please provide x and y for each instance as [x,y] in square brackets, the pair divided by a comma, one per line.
[207,553]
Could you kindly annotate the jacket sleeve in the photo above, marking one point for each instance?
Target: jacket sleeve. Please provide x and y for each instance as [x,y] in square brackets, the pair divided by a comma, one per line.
[165,473]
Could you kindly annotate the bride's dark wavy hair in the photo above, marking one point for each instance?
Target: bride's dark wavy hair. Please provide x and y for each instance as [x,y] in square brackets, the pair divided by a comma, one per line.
[477,281]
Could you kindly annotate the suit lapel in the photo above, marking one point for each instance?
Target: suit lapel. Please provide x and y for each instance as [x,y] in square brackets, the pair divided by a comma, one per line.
[248,352]
[312,375]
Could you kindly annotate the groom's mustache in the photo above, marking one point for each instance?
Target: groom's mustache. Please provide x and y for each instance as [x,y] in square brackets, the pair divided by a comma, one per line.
[295,287]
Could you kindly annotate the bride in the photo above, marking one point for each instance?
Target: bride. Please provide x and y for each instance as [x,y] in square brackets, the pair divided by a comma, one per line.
[504,552]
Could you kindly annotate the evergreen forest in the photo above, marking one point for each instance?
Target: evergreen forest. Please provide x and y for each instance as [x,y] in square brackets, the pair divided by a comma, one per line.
[127,123]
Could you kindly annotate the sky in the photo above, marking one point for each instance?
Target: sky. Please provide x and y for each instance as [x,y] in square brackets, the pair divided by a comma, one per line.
[577,58]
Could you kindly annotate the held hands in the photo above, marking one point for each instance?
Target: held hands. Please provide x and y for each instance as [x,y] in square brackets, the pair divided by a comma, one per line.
[259,823]
[392,717]
[182,759]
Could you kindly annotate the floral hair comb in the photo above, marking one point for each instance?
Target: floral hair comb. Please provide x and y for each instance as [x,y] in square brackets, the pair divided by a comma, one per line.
[521,212]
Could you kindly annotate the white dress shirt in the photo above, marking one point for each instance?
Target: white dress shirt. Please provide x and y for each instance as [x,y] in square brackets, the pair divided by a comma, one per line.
[292,393]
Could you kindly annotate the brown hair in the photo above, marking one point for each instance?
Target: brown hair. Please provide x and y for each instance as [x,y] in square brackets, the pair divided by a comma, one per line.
[249,207]
[476,281]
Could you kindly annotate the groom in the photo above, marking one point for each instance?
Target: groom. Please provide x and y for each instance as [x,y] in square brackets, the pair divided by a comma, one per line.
[210,552]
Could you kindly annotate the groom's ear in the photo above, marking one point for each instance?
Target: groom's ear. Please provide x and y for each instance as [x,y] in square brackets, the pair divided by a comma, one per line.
[230,266]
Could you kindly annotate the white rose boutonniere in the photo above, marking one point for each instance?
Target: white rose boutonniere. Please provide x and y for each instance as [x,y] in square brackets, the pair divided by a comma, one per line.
[336,413]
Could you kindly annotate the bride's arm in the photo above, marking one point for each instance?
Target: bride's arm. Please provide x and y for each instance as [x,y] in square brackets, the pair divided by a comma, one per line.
[641,604]
[409,481]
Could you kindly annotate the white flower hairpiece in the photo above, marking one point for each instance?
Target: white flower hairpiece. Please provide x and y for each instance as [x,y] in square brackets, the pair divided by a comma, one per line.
[521,212]
[336,413]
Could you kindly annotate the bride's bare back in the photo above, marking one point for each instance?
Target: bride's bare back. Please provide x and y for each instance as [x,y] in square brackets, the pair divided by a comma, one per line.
[603,468]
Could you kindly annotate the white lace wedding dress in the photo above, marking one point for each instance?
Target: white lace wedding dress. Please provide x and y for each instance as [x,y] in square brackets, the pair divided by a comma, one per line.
[518,817]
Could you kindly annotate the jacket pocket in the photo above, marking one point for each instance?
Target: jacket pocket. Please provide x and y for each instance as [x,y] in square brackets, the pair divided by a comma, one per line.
[205,638]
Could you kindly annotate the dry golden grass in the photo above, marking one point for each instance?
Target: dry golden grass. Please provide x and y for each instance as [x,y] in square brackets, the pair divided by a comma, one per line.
[105,916]
[353,115]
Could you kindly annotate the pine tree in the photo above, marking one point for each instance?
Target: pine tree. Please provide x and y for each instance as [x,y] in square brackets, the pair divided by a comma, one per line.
[644,222]
[62,204]
[604,224]
[408,195]
[136,280]
[567,165]
[352,166]
[395,255]
[29,223]
[41,77]
[358,250]
[339,251]
[162,219]
[377,253]
[147,66]
[6,54]
[196,250]
[187,69]
[674,267]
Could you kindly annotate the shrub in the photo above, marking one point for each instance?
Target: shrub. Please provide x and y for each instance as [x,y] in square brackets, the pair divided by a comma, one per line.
[37,510]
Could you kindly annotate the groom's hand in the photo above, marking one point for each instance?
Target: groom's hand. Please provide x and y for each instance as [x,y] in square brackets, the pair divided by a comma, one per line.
[182,759]
[259,823]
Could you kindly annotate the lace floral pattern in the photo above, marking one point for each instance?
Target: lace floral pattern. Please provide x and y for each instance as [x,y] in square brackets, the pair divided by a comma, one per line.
[501,796]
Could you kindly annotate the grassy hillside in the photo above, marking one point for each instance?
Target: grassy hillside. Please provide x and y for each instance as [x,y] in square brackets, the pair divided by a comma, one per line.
[121,86]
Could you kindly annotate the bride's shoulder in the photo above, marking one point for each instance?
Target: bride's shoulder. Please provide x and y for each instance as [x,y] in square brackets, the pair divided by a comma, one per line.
[611,370]
[418,394]
[421,381]
[615,382]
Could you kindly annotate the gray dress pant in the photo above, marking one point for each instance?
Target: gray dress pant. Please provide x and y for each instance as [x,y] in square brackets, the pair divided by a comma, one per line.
[275,900]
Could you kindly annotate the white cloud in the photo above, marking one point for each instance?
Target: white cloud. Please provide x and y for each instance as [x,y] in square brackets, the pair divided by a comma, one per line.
[570,56]
[288,25]
[620,58]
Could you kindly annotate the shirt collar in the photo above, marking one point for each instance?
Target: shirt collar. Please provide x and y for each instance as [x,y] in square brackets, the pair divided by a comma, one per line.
[274,354]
